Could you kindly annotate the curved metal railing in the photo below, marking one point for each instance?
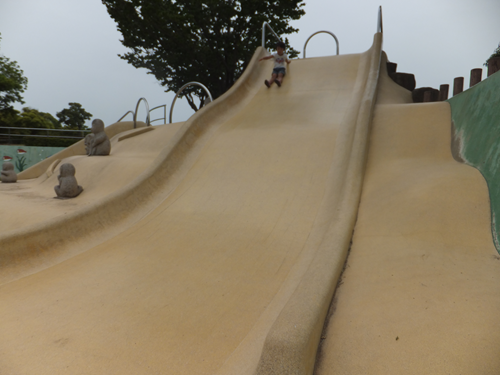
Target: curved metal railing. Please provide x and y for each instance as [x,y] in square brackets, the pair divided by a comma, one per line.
[264,24]
[134,114]
[164,118]
[182,88]
[121,118]
[380,25]
[318,32]
[148,123]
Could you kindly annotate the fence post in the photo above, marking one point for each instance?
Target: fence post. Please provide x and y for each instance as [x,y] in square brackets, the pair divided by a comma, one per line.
[458,85]
[476,75]
[443,92]
[427,96]
[493,65]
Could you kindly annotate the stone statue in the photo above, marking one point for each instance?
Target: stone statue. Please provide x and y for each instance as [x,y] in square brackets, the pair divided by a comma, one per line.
[97,142]
[8,174]
[68,187]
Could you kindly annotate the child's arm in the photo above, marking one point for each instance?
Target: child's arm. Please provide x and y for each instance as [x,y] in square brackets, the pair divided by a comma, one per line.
[266,57]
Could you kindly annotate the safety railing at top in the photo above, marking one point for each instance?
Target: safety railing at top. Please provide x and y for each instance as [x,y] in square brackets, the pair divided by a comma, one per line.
[319,32]
[164,106]
[164,118]
[209,95]
[264,25]
[134,114]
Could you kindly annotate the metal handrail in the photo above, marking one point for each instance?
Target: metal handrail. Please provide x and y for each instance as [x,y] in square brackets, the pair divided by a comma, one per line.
[264,24]
[147,111]
[148,118]
[164,113]
[134,114]
[182,88]
[318,32]
[380,25]
[10,135]
[121,118]
[40,136]
[46,129]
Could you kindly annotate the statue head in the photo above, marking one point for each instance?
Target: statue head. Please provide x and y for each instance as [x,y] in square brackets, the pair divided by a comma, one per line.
[97,126]
[67,170]
[7,166]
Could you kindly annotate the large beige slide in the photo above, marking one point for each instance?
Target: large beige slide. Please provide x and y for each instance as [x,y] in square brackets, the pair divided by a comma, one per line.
[215,246]
[191,243]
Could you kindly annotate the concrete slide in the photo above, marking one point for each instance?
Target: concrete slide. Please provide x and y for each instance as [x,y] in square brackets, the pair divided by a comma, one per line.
[190,239]
[215,246]
[421,289]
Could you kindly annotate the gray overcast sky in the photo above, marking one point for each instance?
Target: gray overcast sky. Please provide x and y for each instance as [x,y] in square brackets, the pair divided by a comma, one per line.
[68,48]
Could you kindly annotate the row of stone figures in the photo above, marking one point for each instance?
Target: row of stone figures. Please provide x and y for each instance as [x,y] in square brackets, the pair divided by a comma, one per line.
[67,188]
[96,143]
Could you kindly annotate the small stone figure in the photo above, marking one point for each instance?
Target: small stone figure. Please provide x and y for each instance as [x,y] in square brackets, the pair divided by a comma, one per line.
[97,142]
[8,174]
[68,187]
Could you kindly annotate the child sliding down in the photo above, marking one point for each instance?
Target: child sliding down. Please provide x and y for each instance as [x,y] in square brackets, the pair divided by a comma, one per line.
[279,71]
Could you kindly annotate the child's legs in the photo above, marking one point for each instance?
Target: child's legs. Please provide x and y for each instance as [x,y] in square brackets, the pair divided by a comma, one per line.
[280,73]
[273,78]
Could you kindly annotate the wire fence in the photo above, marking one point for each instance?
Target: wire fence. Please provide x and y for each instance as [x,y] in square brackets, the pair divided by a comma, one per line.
[17,135]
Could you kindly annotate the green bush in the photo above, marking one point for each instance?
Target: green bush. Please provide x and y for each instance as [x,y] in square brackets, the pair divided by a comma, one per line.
[496,53]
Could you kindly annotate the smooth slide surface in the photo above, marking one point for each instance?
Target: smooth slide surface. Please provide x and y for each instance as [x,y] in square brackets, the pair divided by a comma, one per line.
[177,290]
[31,199]
[421,289]
[214,246]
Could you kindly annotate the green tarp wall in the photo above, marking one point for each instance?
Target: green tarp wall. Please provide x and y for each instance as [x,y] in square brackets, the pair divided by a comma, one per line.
[476,116]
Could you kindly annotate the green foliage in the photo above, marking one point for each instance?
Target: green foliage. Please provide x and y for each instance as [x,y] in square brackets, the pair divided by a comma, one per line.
[12,83]
[496,53]
[8,117]
[20,163]
[32,118]
[209,41]
[74,117]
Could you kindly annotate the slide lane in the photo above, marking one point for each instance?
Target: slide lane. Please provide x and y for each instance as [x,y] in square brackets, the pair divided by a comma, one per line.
[421,290]
[178,291]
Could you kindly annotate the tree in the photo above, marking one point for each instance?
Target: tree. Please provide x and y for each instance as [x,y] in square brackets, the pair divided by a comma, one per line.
[8,117]
[74,117]
[209,41]
[29,118]
[496,53]
[12,83]
[33,118]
